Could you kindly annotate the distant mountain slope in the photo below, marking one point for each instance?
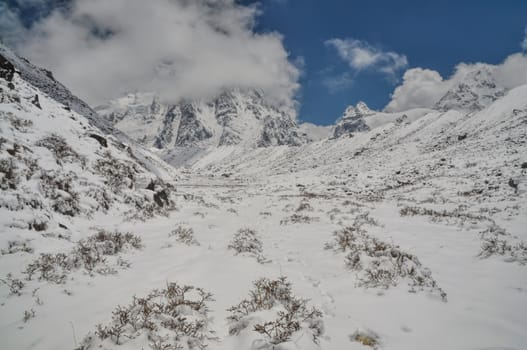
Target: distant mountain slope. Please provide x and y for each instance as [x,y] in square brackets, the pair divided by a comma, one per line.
[234,117]
[475,91]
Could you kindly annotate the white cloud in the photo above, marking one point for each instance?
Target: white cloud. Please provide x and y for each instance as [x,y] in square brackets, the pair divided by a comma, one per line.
[420,88]
[424,87]
[361,56]
[179,48]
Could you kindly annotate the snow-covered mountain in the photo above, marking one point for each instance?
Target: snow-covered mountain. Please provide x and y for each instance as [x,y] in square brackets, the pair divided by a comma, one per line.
[352,120]
[235,117]
[473,91]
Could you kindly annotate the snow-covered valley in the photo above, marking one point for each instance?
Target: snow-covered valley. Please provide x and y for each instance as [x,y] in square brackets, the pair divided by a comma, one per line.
[407,233]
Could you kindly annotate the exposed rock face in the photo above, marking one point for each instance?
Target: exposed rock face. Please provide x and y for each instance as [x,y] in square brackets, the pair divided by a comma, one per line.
[476,91]
[353,120]
[235,117]
[7,70]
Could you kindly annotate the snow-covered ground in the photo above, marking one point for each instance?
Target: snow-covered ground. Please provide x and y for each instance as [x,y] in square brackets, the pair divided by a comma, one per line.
[408,236]
[485,306]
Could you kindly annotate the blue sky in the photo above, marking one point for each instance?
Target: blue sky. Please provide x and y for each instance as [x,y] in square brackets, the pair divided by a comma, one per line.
[431,34]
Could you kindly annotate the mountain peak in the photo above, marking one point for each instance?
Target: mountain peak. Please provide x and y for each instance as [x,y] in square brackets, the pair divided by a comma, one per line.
[476,90]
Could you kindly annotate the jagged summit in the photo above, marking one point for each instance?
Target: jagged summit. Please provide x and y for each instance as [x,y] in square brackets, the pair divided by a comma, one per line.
[353,120]
[234,117]
[476,90]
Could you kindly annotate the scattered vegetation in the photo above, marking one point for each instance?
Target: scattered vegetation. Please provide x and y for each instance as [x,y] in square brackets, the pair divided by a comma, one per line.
[90,254]
[28,315]
[298,219]
[368,338]
[58,186]
[378,263]
[15,285]
[119,174]
[174,318]
[14,247]
[455,217]
[247,242]
[292,313]
[494,242]
[184,235]
[62,152]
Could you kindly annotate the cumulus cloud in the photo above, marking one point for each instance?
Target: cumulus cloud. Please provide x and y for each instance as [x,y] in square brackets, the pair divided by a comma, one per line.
[420,88]
[360,55]
[424,87]
[178,48]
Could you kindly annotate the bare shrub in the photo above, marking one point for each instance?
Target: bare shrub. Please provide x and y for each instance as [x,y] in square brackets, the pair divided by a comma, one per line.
[184,235]
[247,242]
[366,338]
[118,173]
[15,285]
[14,247]
[378,263]
[9,179]
[62,152]
[304,206]
[142,208]
[297,219]
[90,254]
[494,242]
[58,186]
[28,315]
[173,318]
[292,313]
[456,216]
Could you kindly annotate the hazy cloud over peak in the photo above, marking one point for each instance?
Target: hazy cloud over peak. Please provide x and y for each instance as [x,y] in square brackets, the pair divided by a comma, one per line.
[424,87]
[179,48]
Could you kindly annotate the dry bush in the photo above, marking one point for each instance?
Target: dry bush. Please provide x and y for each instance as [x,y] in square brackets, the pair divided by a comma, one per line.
[58,186]
[62,152]
[9,179]
[174,318]
[28,315]
[247,242]
[90,254]
[292,313]
[494,242]
[19,124]
[14,247]
[298,219]
[119,174]
[366,338]
[453,217]
[184,235]
[15,285]
[145,207]
[378,263]
[304,206]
